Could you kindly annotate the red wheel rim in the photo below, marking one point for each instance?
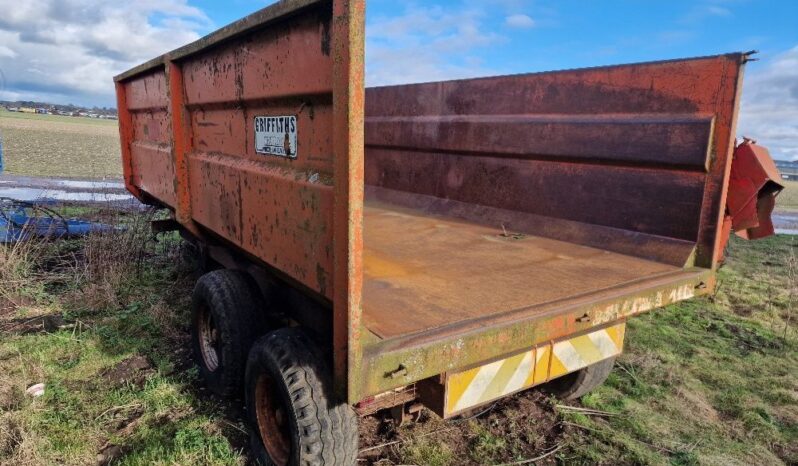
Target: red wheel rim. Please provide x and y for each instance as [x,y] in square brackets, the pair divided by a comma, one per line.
[272,419]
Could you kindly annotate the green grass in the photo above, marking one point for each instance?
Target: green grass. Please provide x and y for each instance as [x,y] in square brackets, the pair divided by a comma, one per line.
[428,452]
[708,381]
[486,445]
[152,415]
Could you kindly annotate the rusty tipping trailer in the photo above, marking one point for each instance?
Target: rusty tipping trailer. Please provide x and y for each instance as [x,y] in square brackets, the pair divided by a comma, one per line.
[443,244]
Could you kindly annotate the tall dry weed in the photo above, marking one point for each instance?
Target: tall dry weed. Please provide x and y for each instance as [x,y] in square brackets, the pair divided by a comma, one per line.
[114,255]
[792,296]
[18,442]
[19,271]
[109,260]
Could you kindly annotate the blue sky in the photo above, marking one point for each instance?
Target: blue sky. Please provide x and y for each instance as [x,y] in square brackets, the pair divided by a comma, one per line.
[569,34]
[67,50]
[432,40]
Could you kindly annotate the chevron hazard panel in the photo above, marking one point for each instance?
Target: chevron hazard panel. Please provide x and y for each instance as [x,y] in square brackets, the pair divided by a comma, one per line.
[494,380]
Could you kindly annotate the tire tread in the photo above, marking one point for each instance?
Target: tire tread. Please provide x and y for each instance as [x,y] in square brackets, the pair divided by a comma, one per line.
[577,384]
[327,431]
[233,301]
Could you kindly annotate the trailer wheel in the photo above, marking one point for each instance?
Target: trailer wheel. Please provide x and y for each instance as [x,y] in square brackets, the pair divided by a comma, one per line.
[579,383]
[226,321]
[294,417]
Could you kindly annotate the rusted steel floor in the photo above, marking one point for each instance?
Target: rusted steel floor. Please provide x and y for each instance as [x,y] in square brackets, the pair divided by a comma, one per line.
[423,272]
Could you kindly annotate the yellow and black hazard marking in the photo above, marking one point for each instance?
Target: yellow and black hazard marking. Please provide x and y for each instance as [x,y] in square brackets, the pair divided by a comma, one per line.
[488,382]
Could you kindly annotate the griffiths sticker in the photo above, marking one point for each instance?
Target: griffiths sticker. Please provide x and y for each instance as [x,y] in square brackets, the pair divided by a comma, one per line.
[276,135]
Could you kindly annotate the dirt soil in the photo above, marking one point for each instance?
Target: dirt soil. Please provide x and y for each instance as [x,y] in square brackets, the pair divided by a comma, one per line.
[526,424]
[29,325]
[60,146]
[132,371]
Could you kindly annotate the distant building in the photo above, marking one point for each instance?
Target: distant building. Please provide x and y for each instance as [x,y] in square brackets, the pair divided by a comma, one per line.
[27,110]
[789,170]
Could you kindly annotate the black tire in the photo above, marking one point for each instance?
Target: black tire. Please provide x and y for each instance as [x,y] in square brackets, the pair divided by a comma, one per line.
[226,321]
[577,384]
[292,411]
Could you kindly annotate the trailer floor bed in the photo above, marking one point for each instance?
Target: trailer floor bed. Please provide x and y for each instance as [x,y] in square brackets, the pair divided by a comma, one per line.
[423,272]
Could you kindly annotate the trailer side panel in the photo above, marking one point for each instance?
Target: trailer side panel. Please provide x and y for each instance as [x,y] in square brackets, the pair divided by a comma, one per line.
[253,136]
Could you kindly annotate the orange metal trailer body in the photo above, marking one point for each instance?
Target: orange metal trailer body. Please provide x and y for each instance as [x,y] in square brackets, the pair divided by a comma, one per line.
[500,213]
[186,123]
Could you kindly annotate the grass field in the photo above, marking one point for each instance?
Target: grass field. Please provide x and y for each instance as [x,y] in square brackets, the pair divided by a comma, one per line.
[103,323]
[54,145]
[788,199]
[56,118]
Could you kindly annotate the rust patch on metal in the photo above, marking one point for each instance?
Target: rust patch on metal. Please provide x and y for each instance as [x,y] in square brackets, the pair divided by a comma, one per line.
[449,349]
[539,143]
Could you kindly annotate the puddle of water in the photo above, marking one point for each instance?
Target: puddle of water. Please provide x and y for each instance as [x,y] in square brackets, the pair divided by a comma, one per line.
[786,223]
[66,184]
[32,194]
[90,184]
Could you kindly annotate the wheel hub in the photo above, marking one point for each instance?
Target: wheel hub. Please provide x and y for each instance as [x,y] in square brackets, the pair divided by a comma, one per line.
[209,340]
[272,421]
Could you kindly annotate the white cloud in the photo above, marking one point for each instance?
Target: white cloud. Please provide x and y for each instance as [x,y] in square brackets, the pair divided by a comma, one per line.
[427,44]
[700,13]
[714,10]
[519,21]
[69,50]
[769,111]
[6,52]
